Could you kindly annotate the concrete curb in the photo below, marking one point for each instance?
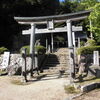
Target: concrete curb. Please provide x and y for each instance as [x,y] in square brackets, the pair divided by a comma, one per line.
[85,88]
[89,87]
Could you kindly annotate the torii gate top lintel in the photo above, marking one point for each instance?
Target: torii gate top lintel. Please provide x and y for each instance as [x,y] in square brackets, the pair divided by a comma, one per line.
[57,18]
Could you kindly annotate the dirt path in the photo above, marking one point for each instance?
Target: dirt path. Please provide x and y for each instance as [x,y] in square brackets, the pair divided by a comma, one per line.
[52,89]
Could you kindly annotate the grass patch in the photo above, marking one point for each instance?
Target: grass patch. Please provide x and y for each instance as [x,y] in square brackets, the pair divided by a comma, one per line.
[19,81]
[71,89]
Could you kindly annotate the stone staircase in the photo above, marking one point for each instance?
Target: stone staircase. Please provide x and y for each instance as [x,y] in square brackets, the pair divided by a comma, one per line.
[57,62]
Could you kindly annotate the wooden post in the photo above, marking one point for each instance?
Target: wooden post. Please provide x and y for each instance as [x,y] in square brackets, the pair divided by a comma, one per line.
[32,47]
[79,42]
[52,48]
[24,69]
[46,45]
[36,62]
[71,49]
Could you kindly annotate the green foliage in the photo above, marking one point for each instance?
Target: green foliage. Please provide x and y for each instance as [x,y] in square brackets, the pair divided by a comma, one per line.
[3,49]
[91,43]
[88,3]
[87,50]
[59,38]
[95,21]
[94,6]
[27,49]
[82,43]
[40,49]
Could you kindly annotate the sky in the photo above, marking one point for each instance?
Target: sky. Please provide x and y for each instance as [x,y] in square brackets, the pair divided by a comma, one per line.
[61,0]
[64,0]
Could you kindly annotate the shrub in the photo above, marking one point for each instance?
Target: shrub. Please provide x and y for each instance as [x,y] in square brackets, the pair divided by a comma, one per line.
[40,49]
[91,43]
[87,50]
[3,49]
[82,43]
[27,51]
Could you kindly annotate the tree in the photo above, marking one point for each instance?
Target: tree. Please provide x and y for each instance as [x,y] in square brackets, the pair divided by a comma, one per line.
[88,3]
[26,8]
[68,6]
[95,18]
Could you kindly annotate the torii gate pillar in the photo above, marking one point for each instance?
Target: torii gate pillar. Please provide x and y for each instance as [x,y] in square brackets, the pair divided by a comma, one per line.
[32,48]
[71,48]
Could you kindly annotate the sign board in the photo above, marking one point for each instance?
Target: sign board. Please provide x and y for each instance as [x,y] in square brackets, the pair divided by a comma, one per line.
[50,24]
[73,35]
[96,58]
[5,60]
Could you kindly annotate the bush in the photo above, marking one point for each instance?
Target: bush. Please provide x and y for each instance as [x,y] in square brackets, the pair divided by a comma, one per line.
[27,51]
[3,49]
[87,50]
[82,43]
[40,49]
[91,43]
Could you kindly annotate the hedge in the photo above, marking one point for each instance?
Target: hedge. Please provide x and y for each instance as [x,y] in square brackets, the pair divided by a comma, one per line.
[3,49]
[40,49]
[91,43]
[87,50]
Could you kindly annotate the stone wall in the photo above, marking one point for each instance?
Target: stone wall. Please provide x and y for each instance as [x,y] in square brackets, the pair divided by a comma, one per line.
[16,62]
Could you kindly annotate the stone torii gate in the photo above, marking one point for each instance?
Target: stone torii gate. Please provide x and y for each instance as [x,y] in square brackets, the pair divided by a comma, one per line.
[49,21]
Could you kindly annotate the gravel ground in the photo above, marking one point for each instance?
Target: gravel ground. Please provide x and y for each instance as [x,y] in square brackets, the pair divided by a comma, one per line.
[48,89]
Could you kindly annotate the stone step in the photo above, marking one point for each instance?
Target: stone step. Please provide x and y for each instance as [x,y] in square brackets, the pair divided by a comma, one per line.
[50,64]
[57,61]
[56,71]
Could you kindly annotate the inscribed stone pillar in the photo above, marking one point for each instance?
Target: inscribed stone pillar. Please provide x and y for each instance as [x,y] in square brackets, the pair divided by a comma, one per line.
[96,58]
[71,49]
[69,34]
